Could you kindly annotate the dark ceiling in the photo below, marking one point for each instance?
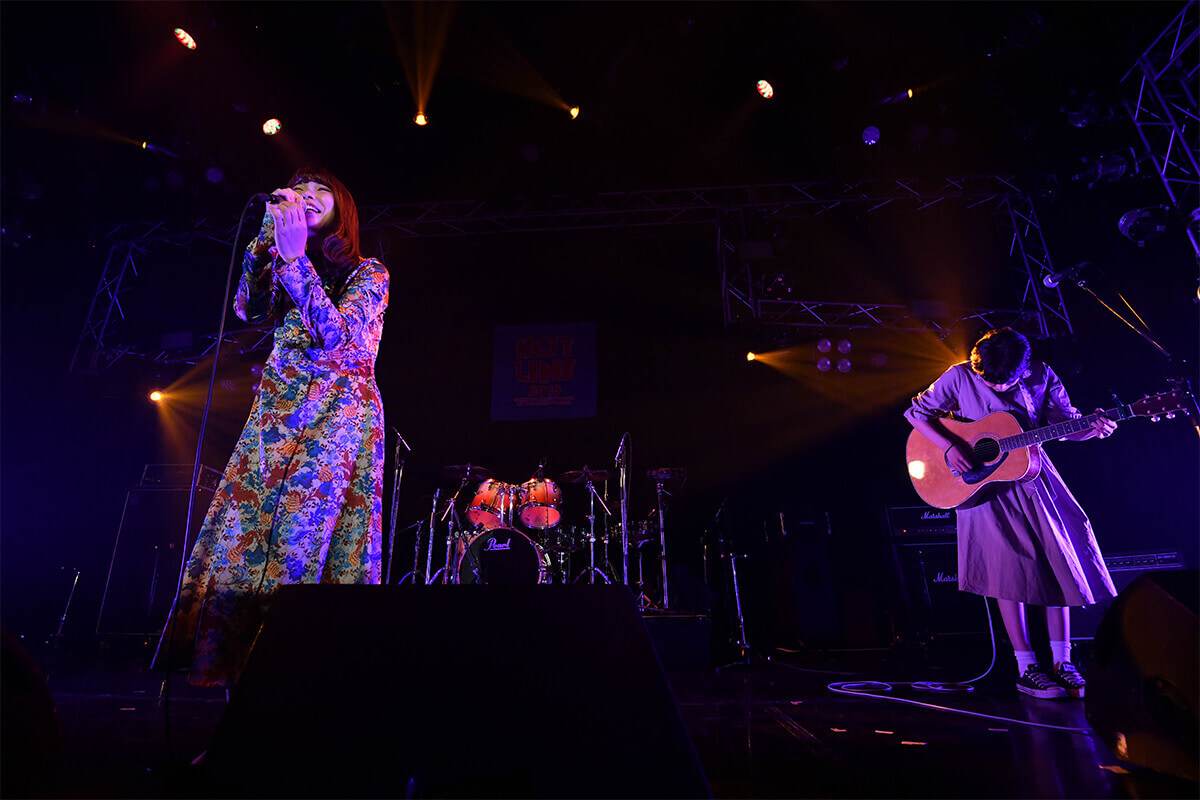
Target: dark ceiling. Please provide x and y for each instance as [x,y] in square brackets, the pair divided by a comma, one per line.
[666,92]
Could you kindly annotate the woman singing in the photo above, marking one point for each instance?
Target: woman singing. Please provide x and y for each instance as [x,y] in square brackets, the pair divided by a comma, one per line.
[301,497]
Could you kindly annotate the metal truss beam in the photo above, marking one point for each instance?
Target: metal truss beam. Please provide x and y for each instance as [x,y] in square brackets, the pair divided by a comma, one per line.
[1159,94]
[729,209]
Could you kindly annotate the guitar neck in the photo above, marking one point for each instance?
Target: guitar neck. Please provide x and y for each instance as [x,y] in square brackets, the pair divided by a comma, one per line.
[1060,429]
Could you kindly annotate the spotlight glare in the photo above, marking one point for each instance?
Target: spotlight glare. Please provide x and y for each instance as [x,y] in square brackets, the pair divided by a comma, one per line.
[158,396]
[750,356]
[272,126]
[765,89]
[421,119]
[574,112]
[910,93]
[870,135]
[916,469]
[185,38]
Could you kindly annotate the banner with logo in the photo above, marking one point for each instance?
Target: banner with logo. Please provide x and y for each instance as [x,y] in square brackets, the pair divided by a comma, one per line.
[544,371]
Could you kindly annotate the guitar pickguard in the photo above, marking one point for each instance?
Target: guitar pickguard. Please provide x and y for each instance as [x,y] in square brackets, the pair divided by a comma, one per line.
[974,476]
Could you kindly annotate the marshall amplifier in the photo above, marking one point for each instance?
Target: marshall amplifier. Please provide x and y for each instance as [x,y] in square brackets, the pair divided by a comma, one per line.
[1123,569]
[907,522]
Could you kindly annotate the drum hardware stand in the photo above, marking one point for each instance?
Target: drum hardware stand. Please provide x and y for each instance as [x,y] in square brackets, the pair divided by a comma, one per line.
[397,476]
[594,496]
[429,551]
[662,540]
[622,461]
[414,574]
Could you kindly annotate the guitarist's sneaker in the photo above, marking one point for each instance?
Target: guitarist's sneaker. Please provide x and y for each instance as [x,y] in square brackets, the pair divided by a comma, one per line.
[1036,683]
[1069,678]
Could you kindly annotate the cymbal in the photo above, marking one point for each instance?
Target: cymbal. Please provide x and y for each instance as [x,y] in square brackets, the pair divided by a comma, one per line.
[584,475]
[468,471]
[666,474]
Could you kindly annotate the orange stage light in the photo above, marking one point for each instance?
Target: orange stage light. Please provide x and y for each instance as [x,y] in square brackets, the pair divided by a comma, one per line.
[421,119]
[272,126]
[158,396]
[765,89]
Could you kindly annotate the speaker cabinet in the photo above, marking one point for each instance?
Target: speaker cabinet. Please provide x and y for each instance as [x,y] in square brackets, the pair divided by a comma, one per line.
[1124,569]
[1143,671]
[933,605]
[453,691]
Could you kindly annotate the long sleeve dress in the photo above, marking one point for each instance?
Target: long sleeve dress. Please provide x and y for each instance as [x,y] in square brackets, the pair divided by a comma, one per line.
[1025,541]
[301,498]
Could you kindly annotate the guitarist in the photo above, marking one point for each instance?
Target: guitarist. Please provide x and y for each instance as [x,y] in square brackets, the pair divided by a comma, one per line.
[1025,543]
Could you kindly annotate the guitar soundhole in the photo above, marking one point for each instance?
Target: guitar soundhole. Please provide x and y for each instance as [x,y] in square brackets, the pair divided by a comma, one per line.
[986,450]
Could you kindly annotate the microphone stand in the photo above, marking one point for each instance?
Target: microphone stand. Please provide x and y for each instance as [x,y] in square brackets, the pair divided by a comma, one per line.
[1180,379]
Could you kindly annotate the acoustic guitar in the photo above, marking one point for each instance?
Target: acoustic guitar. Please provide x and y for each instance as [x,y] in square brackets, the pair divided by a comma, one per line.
[1005,452]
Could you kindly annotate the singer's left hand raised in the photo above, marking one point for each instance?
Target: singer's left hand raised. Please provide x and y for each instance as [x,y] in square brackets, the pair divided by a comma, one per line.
[291,229]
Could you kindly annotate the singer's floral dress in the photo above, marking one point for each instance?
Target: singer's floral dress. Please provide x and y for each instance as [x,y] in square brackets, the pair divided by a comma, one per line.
[1025,541]
[301,498]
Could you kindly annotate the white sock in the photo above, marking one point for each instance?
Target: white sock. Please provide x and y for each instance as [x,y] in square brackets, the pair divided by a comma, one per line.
[1025,659]
[1061,651]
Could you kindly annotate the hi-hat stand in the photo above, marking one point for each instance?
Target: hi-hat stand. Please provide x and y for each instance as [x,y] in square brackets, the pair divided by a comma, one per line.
[592,571]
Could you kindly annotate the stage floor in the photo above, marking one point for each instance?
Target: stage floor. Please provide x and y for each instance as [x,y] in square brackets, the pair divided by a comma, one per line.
[768,728]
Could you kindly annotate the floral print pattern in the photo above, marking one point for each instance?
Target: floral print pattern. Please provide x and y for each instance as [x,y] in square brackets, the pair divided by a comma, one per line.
[301,498]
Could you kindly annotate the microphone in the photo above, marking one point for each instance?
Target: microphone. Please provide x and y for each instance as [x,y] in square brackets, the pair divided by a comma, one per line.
[621,449]
[1053,279]
[273,199]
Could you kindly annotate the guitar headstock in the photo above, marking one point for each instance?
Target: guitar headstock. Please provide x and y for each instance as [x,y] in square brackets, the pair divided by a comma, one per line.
[1162,406]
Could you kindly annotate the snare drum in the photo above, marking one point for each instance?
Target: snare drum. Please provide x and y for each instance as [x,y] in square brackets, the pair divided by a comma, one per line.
[487,507]
[538,507]
[504,556]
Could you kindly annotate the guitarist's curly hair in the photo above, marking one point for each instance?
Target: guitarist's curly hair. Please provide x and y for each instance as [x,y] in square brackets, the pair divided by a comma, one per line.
[1001,356]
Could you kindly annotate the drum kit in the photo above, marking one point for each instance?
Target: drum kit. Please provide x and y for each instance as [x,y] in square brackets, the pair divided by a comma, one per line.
[498,532]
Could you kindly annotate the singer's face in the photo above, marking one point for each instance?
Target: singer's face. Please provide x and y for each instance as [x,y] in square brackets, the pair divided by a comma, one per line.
[318,204]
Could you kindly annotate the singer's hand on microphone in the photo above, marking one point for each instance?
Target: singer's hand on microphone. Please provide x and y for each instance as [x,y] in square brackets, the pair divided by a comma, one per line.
[291,229]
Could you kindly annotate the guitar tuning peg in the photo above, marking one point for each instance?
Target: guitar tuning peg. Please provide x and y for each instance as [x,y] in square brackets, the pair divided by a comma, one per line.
[1155,418]
[1171,415]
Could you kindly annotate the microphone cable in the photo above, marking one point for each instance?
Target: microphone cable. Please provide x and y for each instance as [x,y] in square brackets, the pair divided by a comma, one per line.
[873,688]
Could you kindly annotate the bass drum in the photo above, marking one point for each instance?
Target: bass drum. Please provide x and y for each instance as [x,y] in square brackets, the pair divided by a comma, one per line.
[504,557]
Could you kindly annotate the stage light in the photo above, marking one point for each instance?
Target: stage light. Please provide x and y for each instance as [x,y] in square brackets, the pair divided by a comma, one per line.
[844,365]
[870,135]
[765,89]
[272,126]
[824,345]
[185,38]
[1108,168]
[158,396]
[421,119]
[776,286]
[574,112]
[824,364]
[750,356]
[844,346]
[1142,224]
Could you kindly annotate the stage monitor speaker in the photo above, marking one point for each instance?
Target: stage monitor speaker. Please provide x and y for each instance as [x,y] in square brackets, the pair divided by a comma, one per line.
[1143,674]
[453,691]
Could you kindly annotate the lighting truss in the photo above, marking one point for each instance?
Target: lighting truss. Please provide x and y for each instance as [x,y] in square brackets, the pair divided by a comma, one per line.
[1160,98]
[723,208]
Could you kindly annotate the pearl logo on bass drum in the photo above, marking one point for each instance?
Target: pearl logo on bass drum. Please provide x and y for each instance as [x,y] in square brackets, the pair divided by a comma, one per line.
[493,545]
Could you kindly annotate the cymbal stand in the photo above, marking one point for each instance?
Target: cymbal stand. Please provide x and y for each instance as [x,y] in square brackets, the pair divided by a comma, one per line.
[622,463]
[429,552]
[397,476]
[594,496]
[662,540]
[417,558]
